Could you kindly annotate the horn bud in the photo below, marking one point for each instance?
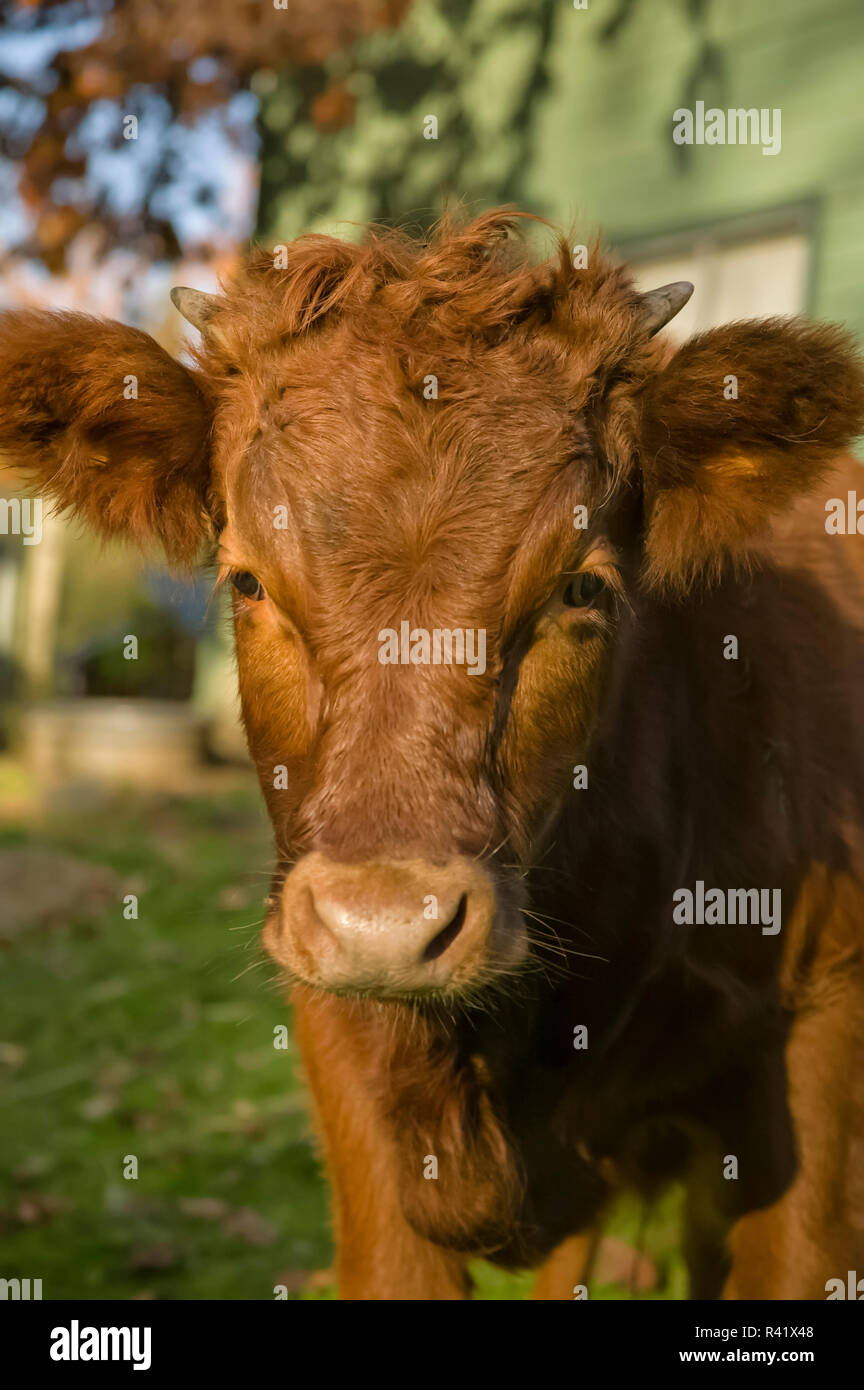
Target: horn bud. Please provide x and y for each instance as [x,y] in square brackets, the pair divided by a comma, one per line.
[657,307]
[195,306]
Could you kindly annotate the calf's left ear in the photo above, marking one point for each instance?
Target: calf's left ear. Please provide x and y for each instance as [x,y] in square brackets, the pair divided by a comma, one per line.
[738,424]
[108,425]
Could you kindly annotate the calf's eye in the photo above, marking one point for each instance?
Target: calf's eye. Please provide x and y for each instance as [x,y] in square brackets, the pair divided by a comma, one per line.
[247,585]
[582,590]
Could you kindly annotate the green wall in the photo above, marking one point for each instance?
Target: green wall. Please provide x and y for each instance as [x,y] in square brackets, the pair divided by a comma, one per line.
[569,113]
[602,136]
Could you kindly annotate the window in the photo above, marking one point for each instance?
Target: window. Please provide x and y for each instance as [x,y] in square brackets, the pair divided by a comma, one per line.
[744,277]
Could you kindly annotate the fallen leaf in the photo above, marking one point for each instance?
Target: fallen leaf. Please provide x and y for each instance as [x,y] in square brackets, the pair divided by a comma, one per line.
[159,1254]
[235,896]
[34,1209]
[207,1208]
[97,1107]
[35,1166]
[247,1225]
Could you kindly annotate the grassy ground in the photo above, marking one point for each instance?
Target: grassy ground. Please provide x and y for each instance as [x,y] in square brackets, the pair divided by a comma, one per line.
[152,1040]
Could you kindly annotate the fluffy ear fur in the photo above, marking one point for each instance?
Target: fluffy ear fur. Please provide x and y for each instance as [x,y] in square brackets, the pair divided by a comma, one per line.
[740,422]
[107,424]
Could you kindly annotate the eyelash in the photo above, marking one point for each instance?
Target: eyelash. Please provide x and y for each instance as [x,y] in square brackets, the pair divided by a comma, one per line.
[608,572]
[597,614]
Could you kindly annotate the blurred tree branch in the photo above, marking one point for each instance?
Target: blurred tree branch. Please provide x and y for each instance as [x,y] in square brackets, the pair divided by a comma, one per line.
[169,63]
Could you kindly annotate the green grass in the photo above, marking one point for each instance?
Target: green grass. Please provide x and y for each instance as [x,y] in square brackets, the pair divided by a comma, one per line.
[153,1038]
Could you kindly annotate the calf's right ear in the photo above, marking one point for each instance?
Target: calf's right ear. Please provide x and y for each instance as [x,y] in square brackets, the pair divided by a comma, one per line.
[108,425]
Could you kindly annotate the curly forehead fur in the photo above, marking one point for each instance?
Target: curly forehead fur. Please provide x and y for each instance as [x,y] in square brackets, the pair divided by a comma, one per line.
[467,286]
[321,352]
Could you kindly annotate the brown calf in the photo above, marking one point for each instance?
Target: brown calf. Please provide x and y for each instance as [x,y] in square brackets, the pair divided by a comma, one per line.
[562,754]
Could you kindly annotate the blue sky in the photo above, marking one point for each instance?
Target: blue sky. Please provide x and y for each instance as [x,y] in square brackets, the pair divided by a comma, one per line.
[215,154]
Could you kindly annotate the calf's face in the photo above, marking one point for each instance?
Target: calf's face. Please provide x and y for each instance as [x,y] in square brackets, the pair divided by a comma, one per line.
[438,478]
[422,637]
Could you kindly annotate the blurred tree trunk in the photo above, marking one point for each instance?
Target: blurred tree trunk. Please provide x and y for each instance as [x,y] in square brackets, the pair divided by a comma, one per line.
[40,609]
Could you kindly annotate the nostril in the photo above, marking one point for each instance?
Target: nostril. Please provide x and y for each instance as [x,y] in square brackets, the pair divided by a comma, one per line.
[438,945]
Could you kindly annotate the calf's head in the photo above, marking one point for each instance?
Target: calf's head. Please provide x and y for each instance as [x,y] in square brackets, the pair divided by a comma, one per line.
[437,475]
